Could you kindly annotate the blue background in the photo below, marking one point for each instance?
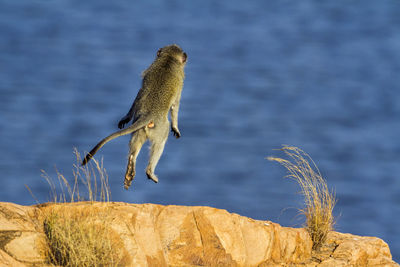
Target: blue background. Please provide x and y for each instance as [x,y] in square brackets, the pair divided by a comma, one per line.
[322,76]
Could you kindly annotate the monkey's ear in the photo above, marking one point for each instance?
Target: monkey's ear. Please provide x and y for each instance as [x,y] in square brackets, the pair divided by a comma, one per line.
[184,57]
[159,52]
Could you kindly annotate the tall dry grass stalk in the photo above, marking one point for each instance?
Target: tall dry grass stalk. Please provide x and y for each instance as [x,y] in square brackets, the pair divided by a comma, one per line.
[319,201]
[93,176]
[80,234]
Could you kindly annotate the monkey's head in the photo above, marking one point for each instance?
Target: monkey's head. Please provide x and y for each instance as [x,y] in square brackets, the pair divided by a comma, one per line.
[173,51]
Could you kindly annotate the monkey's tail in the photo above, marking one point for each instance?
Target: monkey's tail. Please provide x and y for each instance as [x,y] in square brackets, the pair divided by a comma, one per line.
[138,124]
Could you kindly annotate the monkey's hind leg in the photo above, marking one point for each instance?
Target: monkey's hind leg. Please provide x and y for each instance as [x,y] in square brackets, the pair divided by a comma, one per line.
[136,143]
[158,136]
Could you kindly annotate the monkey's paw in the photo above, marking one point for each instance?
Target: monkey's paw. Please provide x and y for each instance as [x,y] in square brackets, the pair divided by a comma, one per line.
[126,186]
[123,121]
[176,132]
[127,183]
[152,176]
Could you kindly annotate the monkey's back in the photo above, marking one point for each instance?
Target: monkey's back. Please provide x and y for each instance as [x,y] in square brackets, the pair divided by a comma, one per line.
[162,81]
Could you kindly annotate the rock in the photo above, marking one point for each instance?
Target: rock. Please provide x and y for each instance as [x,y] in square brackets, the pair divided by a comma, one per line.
[14,217]
[155,235]
[6,260]
[26,246]
[354,250]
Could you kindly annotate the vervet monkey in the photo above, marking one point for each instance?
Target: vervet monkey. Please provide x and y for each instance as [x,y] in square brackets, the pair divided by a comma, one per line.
[160,94]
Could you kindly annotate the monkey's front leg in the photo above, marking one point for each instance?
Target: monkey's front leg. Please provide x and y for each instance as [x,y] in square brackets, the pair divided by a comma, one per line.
[174,119]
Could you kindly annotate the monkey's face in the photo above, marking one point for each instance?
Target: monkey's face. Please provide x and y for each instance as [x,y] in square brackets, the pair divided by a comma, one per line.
[173,51]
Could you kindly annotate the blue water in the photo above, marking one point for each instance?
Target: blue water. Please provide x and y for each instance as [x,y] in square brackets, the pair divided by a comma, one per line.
[323,76]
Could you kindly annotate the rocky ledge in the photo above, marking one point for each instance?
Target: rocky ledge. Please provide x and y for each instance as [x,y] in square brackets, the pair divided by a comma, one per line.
[155,235]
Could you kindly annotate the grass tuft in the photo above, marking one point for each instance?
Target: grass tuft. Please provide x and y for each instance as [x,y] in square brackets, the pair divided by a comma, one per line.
[81,235]
[93,176]
[319,201]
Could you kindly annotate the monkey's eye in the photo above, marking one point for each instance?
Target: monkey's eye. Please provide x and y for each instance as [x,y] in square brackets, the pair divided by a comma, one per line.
[159,52]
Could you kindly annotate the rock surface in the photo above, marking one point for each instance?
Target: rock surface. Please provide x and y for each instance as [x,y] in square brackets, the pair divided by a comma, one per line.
[155,235]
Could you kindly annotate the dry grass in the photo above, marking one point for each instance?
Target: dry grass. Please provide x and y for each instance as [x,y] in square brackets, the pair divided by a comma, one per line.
[81,235]
[319,201]
[93,176]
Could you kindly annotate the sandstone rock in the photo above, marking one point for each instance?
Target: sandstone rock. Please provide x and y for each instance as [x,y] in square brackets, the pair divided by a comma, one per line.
[156,235]
[14,217]
[27,246]
[6,260]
